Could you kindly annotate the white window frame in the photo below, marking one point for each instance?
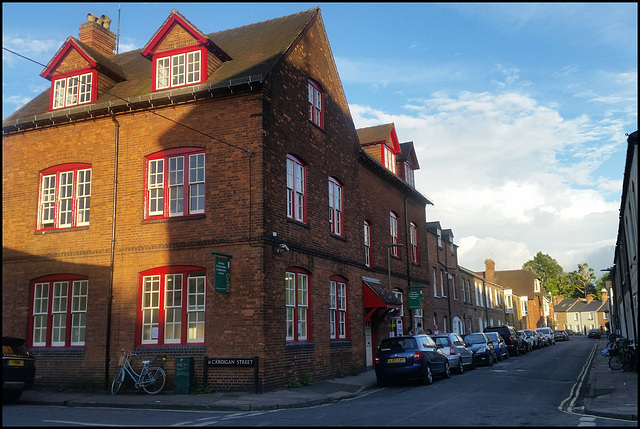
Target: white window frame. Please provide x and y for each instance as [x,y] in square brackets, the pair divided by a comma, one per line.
[335,207]
[393,231]
[178,70]
[296,189]
[315,99]
[72,91]
[337,310]
[367,244]
[65,198]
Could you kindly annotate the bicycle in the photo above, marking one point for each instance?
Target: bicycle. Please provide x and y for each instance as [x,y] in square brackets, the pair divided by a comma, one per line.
[151,377]
[623,356]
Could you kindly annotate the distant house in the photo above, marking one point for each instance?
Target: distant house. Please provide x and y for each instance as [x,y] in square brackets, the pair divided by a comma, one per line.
[536,307]
[580,314]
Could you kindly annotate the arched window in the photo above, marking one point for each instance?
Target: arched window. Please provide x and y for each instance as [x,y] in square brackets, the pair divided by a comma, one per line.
[59,311]
[335,207]
[316,100]
[175,183]
[65,196]
[172,305]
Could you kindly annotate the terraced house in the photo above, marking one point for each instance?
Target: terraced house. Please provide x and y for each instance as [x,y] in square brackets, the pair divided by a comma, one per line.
[205,196]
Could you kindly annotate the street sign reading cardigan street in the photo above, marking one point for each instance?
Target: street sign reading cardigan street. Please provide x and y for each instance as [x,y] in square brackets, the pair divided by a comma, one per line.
[230,362]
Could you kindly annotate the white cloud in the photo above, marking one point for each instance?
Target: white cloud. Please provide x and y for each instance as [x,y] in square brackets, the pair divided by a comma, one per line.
[511,177]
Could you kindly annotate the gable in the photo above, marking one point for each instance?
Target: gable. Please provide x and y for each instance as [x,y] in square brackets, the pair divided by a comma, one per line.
[70,57]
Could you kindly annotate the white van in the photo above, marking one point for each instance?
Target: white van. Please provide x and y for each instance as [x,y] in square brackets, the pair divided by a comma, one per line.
[548,334]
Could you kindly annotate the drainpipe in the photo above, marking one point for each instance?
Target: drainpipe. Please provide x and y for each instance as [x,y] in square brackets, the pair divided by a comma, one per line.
[107,359]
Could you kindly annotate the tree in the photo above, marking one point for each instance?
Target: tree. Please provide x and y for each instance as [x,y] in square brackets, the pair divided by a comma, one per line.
[601,283]
[584,277]
[549,271]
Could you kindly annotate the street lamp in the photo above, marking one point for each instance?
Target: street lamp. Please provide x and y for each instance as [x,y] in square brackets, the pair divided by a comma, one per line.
[389,246]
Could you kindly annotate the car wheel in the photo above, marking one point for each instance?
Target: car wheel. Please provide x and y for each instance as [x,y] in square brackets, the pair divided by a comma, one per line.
[427,377]
[506,355]
[490,359]
[447,370]
[460,366]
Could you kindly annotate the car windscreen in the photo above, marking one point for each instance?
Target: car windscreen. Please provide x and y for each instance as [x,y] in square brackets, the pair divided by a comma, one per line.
[398,344]
[475,339]
[493,336]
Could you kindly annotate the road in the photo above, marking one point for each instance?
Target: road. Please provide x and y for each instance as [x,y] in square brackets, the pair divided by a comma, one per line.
[527,390]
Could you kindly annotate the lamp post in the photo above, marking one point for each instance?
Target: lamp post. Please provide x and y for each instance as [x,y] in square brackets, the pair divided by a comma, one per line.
[389,246]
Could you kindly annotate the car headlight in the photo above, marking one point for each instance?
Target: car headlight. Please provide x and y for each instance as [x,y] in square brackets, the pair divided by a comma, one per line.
[482,350]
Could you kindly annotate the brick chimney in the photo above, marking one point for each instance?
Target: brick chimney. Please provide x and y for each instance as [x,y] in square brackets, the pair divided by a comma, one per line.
[490,270]
[605,297]
[95,33]
[557,299]
[589,298]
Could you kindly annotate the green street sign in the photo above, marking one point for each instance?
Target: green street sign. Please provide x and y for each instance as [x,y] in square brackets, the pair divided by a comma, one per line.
[222,278]
[415,299]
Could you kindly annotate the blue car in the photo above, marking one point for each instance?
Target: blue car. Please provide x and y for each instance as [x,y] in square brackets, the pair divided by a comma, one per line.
[482,347]
[500,347]
[413,357]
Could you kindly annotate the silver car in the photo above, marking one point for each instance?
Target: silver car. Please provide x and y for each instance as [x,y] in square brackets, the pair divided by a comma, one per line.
[547,333]
[453,346]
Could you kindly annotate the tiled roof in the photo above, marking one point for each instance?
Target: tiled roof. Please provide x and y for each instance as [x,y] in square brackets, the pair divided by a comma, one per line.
[375,134]
[254,49]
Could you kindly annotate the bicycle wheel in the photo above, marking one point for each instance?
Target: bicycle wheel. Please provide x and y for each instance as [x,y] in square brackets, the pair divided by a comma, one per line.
[117,381]
[629,361]
[616,362]
[153,380]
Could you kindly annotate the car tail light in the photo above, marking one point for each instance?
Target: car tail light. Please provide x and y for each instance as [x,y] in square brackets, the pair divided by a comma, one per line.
[417,356]
[377,360]
[452,351]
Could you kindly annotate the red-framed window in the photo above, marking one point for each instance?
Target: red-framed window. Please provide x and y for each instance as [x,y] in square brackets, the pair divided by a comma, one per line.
[335,207]
[413,243]
[296,189]
[171,306]
[316,99]
[58,311]
[179,67]
[338,313]
[367,244]
[393,231]
[175,183]
[389,158]
[297,305]
[73,90]
[64,196]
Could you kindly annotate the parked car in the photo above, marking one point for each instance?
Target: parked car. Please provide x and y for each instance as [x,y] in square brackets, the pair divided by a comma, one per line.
[560,336]
[548,333]
[570,332]
[514,343]
[594,333]
[528,343]
[454,347]
[18,368]
[502,352]
[536,340]
[410,357]
[482,347]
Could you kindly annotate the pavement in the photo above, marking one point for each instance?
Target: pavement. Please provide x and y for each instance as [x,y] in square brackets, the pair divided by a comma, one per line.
[601,392]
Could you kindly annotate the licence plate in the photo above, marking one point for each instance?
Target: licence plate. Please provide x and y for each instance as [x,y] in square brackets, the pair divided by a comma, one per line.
[395,360]
[15,362]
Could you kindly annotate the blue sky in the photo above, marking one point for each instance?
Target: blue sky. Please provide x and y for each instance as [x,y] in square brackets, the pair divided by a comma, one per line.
[518,112]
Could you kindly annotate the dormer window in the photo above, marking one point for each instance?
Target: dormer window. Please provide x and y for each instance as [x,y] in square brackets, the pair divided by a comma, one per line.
[178,70]
[72,90]
[389,158]
[409,175]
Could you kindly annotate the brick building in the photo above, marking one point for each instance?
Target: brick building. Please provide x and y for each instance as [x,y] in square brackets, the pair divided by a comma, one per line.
[172,200]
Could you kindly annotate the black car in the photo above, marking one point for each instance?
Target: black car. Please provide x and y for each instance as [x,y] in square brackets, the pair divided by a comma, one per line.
[594,333]
[18,368]
[410,357]
[515,343]
[483,351]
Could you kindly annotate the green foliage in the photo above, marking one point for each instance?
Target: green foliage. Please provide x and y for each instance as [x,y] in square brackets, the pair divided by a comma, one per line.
[293,383]
[340,373]
[576,284]
[306,379]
